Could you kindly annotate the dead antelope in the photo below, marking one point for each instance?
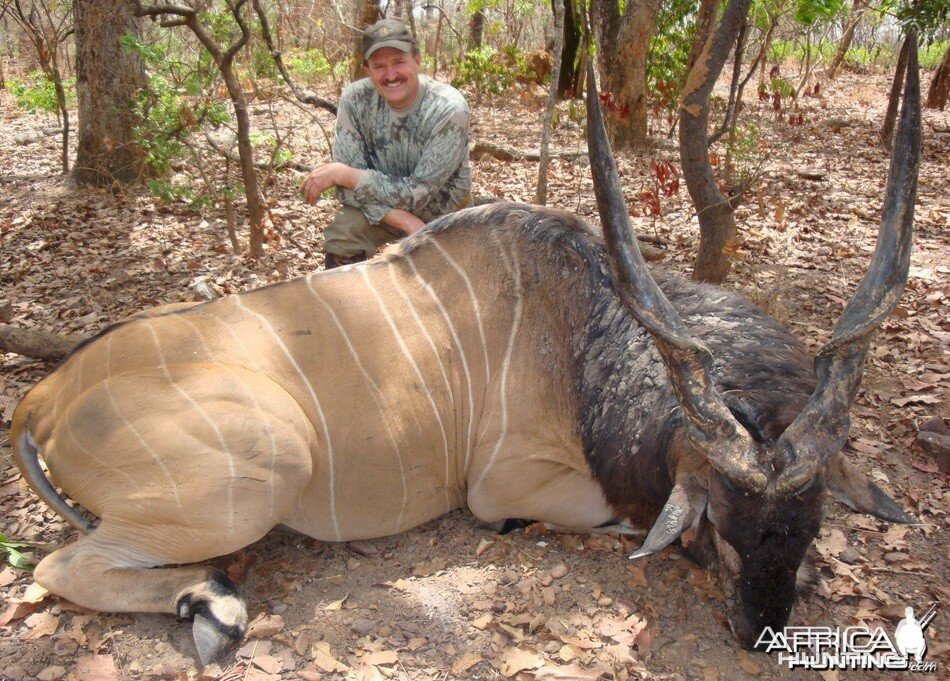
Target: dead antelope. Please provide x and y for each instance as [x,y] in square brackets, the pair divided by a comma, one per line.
[503,359]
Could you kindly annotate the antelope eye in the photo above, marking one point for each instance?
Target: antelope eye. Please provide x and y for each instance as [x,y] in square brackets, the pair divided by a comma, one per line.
[806,487]
[729,485]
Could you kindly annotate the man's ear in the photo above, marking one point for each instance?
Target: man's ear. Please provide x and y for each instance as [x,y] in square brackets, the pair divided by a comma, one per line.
[417,55]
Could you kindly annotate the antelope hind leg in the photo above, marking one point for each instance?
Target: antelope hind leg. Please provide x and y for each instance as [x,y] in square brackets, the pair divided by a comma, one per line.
[100,572]
[185,480]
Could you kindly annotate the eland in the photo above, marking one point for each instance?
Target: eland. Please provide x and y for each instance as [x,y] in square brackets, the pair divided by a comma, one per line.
[505,359]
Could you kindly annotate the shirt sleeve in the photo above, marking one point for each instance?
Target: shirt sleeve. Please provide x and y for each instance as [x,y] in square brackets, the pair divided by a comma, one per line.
[350,148]
[441,157]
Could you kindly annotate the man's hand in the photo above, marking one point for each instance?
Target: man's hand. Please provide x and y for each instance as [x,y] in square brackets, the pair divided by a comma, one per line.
[403,221]
[326,176]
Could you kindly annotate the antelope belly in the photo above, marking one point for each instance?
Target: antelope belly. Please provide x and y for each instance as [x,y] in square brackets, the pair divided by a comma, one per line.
[542,489]
[372,497]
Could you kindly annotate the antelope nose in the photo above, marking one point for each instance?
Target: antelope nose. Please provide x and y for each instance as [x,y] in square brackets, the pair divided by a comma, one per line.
[743,630]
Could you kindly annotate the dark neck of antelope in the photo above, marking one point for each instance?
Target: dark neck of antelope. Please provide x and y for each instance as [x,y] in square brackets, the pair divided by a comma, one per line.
[630,423]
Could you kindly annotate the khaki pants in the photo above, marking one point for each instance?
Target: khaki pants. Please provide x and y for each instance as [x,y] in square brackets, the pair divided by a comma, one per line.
[350,233]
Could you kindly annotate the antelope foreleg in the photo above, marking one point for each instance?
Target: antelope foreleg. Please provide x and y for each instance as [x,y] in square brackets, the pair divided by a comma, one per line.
[617,527]
[98,573]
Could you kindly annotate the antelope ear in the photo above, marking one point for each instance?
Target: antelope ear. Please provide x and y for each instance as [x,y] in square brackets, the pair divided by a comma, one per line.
[686,503]
[849,486]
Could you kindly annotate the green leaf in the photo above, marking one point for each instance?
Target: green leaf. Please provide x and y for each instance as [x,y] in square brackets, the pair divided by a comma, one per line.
[11,554]
[18,560]
[808,12]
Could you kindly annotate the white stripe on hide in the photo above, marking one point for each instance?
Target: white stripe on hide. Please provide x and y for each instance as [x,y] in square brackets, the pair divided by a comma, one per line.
[384,411]
[226,450]
[415,367]
[514,270]
[253,398]
[316,403]
[422,327]
[94,458]
[475,306]
[172,483]
[461,350]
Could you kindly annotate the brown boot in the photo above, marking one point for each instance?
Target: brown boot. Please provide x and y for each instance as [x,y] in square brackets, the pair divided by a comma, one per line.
[331,260]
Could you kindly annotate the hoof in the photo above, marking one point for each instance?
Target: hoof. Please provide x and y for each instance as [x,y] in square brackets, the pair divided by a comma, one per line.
[219,615]
[506,525]
[210,640]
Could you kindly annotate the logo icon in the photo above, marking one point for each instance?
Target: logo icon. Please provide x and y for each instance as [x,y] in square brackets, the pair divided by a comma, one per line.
[909,634]
[382,32]
[855,647]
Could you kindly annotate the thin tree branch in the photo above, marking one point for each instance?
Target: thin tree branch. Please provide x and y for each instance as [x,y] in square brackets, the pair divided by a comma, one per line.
[303,96]
[245,31]
[164,8]
[541,195]
[730,118]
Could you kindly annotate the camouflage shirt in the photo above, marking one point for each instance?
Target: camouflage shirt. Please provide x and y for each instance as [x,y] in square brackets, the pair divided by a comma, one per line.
[415,160]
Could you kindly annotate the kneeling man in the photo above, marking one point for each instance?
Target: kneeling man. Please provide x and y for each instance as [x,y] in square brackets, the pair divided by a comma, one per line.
[400,150]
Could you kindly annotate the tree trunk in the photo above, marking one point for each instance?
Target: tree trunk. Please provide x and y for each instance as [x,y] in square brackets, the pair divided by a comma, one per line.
[717,224]
[435,45]
[398,10]
[854,18]
[107,79]
[705,23]
[887,130]
[411,22]
[255,208]
[36,344]
[63,110]
[623,42]
[766,44]
[46,35]
[801,84]
[367,14]
[476,29]
[582,57]
[541,196]
[940,85]
[571,39]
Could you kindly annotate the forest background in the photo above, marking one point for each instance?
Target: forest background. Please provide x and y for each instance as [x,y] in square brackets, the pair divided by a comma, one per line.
[151,153]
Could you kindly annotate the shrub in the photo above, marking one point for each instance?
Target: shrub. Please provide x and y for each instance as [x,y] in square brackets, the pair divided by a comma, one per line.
[167,116]
[782,86]
[780,50]
[176,105]
[263,63]
[481,71]
[931,55]
[310,65]
[861,57]
[38,93]
[744,151]
[531,67]
[669,50]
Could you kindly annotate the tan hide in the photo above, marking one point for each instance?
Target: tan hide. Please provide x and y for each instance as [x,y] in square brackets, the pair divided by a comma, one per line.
[346,405]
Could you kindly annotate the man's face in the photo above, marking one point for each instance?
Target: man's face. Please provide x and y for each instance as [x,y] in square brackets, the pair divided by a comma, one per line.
[395,74]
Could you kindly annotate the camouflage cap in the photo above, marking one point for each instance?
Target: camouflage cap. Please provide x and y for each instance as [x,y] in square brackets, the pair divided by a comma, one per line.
[387,33]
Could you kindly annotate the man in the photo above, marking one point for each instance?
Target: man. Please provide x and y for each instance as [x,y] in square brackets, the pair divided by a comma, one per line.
[400,152]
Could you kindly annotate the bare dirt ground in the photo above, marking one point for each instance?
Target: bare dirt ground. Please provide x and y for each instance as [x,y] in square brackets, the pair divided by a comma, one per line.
[449,599]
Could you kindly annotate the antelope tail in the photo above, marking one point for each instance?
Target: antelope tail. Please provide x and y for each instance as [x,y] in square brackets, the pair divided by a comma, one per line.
[26,457]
